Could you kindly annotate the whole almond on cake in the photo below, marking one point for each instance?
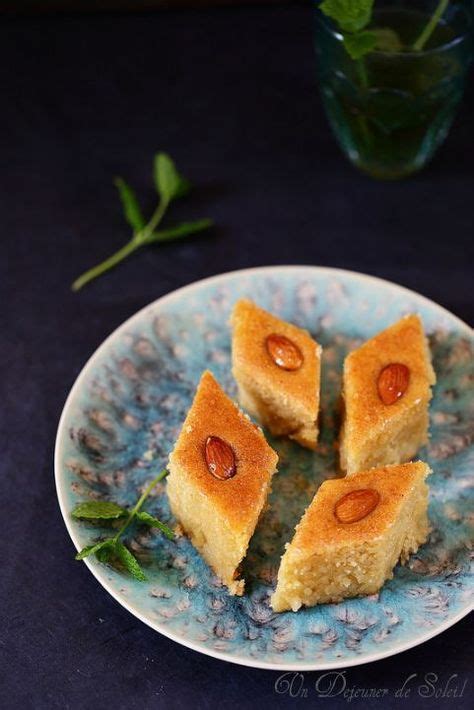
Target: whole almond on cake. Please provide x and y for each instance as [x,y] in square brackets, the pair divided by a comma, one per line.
[219,479]
[386,392]
[352,536]
[277,369]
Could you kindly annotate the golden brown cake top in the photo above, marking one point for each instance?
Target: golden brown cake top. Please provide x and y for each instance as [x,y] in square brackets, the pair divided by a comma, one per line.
[244,454]
[260,339]
[387,376]
[350,510]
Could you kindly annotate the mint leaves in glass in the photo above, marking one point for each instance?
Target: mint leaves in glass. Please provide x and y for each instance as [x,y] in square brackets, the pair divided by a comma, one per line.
[392,75]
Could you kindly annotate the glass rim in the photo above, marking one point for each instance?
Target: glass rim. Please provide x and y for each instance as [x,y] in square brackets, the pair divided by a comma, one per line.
[331,28]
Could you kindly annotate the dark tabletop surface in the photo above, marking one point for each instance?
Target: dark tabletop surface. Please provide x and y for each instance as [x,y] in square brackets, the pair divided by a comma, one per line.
[231,94]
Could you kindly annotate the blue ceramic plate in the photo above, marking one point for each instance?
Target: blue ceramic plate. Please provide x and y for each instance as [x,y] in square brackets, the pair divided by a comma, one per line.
[124,413]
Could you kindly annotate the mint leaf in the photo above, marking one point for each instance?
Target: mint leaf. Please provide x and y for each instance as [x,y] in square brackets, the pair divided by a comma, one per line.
[148,519]
[110,548]
[350,15]
[387,40]
[95,548]
[184,229]
[104,553]
[168,181]
[359,44]
[129,561]
[131,208]
[97,509]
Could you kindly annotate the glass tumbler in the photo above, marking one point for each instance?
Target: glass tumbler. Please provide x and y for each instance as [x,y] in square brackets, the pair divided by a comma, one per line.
[390,111]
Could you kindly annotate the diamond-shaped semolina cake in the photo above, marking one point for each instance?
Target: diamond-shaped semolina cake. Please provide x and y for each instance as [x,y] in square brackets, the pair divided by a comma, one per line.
[219,479]
[277,369]
[352,536]
[386,392]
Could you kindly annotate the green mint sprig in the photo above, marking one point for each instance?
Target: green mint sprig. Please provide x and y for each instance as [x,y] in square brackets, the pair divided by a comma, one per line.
[111,549]
[353,16]
[170,185]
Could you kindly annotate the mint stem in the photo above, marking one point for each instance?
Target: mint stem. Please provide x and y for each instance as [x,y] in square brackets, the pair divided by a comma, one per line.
[156,218]
[364,85]
[140,502]
[104,266]
[430,27]
[362,72]
[137,240]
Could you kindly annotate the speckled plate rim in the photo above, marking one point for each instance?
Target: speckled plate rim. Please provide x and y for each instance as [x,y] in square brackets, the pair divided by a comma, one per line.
[97,571]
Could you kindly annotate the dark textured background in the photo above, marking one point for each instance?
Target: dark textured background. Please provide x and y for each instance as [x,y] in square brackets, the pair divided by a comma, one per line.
[231,94]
